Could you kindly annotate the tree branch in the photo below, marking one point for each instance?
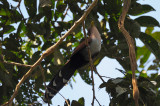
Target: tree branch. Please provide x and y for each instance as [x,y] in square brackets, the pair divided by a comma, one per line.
[17,64]
[18,6]
[50,50]
[132,54]
[91,63]
[19,3]
[99,75]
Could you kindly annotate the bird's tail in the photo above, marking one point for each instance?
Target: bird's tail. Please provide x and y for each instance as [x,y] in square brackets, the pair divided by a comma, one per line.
[59,80]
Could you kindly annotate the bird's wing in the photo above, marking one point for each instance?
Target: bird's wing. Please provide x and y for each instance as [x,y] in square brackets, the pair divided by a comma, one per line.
[81,46]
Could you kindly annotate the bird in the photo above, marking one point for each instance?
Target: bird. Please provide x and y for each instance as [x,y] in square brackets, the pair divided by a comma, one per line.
[78,59]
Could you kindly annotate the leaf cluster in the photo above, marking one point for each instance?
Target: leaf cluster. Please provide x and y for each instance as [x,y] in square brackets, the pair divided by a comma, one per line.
[25,36]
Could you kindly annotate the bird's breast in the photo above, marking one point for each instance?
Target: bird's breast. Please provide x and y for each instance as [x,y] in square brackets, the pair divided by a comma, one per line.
[95,46]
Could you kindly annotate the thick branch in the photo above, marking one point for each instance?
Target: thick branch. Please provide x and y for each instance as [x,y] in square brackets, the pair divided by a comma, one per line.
[50,50]
[132,54]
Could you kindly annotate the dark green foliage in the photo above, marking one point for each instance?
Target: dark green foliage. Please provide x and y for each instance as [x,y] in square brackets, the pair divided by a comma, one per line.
[147,21]
[121,91]
[80,102]
[25,36]
[138,9]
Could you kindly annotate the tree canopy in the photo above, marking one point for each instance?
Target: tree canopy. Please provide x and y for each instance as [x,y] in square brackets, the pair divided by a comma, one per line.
[23,40]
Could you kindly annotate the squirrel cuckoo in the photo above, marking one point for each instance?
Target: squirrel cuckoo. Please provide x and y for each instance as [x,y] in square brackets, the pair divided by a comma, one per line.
[78,59]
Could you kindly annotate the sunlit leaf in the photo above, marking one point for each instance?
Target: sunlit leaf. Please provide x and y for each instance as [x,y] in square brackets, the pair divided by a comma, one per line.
[151,44]
[143,74]
[81,101]
[156,35]
[4,12]
[149,30]
[143,54]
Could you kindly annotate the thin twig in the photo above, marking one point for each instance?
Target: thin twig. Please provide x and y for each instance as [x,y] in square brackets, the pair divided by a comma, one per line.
[99,75]
[132,54]
[60,95]
[91,63]
[17,64]
[65,13]
[51,50]
[18,6]
[106,77]
[19,3]
[98,101]
[93,87]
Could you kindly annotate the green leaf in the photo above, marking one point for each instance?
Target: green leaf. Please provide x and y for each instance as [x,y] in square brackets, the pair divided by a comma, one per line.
[113,23]
[38,28]
[149,30]
[35,56]
[4,12]
[110,6]
[147,21]
[103,85]
[46,45]
[11,44]
[31,6]
[138,9]
[81,101]
[61,7]
[11,56]
[75,103]
[5,3]
[151,44]
[152,67]
[156,35]
[132,27]
[143,53]
[143,74]
[85,76]
[147,8]
[15,16]
[28,31]
[27,48]
[8,29]
[20,27]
